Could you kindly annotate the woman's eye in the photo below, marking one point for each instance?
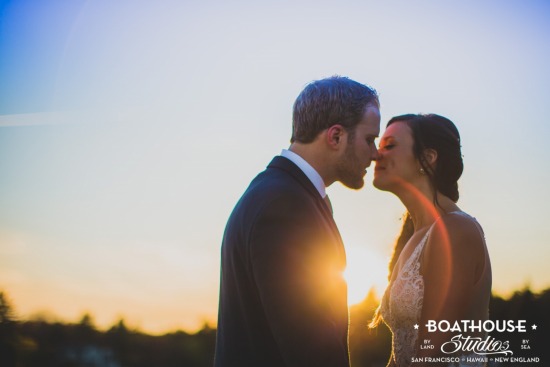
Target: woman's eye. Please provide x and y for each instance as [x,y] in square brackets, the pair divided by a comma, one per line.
[388,146]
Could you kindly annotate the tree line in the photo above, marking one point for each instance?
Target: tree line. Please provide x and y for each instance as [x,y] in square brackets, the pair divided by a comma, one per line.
[43,343]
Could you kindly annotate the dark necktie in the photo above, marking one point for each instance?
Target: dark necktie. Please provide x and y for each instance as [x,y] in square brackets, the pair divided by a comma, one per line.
[329,204]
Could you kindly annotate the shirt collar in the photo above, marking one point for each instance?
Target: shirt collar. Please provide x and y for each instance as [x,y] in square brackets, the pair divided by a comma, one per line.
[308,170]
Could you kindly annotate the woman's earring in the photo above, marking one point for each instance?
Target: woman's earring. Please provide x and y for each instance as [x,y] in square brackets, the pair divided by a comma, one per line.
[422,172]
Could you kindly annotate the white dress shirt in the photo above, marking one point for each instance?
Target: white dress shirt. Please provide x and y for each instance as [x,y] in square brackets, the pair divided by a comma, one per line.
[308,170]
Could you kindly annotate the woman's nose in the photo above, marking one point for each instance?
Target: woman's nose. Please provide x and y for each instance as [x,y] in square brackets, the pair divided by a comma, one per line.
[375,156]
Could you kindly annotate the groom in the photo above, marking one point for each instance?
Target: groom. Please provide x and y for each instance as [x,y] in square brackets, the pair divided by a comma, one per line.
[283,301]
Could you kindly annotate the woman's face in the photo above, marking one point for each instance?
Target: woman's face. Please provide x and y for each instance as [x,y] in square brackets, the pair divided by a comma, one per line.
[396,166]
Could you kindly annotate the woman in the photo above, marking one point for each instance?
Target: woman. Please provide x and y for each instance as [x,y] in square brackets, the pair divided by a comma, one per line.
[440,269]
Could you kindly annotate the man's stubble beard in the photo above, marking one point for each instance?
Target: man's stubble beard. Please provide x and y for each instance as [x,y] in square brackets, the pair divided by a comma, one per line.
[350,172]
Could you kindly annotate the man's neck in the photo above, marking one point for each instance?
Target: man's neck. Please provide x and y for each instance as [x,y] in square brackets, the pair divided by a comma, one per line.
[312,155]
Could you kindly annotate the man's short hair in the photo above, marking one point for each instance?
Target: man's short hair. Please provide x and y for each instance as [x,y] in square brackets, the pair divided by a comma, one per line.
[329,101]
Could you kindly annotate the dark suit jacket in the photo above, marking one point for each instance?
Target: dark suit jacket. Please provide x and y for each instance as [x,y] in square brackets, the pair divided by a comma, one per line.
[283,301]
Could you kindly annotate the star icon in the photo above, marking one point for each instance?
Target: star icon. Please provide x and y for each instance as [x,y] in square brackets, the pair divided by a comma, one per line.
[534,327]
[416,326]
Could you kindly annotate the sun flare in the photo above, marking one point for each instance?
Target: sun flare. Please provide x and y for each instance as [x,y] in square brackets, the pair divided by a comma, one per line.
[365,270]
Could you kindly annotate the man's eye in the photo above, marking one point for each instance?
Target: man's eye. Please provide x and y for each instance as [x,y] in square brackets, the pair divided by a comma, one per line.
[388,146]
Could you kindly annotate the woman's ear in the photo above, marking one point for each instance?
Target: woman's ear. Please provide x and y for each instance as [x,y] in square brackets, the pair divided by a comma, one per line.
[430,157]
[335,135]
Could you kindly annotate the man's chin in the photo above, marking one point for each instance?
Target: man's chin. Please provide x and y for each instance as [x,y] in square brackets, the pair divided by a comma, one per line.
[354,185]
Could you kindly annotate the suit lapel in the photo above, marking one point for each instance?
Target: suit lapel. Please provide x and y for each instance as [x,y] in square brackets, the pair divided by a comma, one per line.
[288,166]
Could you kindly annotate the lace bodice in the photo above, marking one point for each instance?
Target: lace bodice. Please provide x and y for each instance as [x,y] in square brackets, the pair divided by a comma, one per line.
[401,305]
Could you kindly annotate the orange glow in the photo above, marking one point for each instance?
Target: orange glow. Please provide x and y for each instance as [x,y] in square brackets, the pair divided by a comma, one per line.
[446,243]
[366,269]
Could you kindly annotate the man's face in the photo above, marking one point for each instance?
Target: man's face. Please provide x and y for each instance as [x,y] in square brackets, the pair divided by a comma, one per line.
[360,150]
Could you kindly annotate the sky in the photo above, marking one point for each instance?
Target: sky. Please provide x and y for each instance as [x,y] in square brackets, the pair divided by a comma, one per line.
[129,129]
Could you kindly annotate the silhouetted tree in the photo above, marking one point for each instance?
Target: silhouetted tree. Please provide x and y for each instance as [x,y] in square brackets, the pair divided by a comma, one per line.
[45,343]
[368,347]
[8,333]
[533,308]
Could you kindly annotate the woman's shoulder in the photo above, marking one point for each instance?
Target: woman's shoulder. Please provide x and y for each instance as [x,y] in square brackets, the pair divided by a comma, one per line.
[457,232]
[461,225]
[456,242]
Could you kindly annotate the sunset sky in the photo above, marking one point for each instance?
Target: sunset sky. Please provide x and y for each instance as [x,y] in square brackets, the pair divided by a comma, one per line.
[129,129]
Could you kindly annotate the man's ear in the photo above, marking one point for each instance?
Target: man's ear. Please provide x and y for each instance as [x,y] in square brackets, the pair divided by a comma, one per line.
[430,157]
[335,136]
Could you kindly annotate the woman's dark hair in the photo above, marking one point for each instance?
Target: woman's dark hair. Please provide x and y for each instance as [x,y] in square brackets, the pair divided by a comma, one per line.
[440,134]
[329,101]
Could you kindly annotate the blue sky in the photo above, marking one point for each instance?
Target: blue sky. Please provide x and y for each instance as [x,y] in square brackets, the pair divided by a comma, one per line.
[128,130]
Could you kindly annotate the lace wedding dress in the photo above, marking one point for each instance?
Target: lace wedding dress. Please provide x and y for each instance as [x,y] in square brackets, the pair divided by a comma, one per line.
[401,307]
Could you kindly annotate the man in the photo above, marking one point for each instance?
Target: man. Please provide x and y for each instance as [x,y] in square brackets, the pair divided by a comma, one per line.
[283,300]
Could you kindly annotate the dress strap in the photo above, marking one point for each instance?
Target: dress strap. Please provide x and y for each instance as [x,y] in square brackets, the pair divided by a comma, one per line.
[419,250]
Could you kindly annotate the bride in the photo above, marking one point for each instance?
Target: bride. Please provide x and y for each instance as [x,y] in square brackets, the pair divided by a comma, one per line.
[440,268]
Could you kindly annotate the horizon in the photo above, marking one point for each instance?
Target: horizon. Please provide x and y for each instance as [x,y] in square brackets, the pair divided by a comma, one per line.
[51,317]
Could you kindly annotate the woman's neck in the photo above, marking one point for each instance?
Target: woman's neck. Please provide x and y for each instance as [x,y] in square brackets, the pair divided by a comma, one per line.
[421,207]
